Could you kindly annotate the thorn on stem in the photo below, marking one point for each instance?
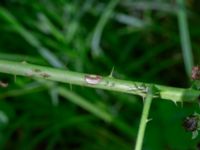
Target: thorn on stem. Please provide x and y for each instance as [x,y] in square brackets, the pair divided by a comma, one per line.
[175,102]
[143,98]
[111,73]
[148,120]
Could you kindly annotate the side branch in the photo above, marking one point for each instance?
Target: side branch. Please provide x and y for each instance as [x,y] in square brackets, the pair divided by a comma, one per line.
[96,81]
[144,119]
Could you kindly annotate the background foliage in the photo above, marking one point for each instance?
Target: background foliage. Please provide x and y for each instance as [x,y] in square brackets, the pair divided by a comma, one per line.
[140,39]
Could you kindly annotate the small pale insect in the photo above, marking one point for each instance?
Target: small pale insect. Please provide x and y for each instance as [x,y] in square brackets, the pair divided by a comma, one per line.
[93,79]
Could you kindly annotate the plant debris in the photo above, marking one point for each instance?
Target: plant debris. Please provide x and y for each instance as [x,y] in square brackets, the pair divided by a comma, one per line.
[192,124]
[196,73]
[3,84]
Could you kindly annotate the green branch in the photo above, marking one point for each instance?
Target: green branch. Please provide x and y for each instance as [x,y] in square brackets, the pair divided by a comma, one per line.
[95,81]
[144,119]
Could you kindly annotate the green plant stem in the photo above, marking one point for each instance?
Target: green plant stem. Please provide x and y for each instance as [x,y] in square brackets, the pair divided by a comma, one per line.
[144,120]
[107,83]
[185,37]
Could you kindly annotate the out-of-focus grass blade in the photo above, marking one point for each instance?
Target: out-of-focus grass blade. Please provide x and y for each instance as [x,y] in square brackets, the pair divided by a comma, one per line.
[57,127]
[95,44]
[138,63]
[185,37]
[29,88]
[130,20]
[150,5]
[3,118]
[92,108]
[85,104]
[30,38]
[54,95]
[46,26]
[71,27]
[21,57]
[13,127]
[50,57]
[162,66]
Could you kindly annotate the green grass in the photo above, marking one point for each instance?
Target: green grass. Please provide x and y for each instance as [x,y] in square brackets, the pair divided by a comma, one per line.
[60,34]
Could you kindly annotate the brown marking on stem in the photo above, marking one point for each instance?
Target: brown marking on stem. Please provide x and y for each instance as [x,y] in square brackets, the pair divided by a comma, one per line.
[44,75]
[36,70]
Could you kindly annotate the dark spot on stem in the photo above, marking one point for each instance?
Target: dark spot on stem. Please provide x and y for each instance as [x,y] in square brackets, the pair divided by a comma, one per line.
[36,70]
[45,75]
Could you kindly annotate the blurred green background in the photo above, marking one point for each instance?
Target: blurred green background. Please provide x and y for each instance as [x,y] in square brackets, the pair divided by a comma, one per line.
[140,39]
